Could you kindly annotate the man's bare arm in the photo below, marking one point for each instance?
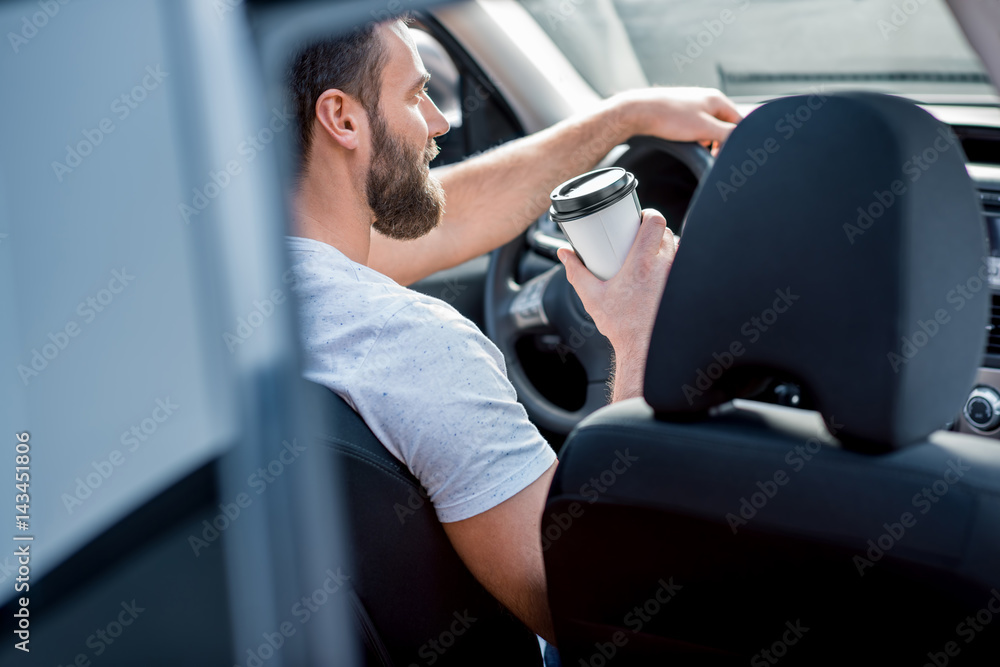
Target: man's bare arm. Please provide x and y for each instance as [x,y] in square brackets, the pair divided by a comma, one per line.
[502,547]
[495,196]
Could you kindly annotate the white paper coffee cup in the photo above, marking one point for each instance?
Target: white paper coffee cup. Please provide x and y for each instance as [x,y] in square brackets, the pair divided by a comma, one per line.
[599,213]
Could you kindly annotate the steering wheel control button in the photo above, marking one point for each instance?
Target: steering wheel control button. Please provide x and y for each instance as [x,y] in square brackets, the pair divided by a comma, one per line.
[982,410]
[526,308]
[599,213]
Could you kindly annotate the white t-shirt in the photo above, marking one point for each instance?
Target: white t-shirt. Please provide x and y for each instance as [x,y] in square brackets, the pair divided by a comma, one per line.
[428,383]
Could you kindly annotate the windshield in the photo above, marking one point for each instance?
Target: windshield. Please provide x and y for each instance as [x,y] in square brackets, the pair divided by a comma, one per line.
[763,48]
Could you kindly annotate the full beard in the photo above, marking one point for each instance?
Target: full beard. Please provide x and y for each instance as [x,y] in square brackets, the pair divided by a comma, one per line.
[406,201]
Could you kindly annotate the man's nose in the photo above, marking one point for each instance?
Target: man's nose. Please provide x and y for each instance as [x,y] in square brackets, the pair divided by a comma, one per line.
[437,124]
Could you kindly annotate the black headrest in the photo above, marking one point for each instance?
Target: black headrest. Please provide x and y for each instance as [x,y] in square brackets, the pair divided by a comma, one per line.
[837,242]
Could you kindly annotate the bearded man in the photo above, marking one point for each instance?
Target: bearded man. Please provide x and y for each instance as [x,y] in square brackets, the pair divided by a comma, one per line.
[370,218]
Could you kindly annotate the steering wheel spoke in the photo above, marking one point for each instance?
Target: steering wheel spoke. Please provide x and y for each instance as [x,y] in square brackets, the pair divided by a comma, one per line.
[546,304]
[527,305]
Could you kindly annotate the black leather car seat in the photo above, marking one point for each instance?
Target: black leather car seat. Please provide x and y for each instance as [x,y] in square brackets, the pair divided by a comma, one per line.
[826,248]
[416,601]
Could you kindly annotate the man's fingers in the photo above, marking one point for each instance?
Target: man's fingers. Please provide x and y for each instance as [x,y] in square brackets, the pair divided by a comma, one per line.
[717,130]
[725,110]
[578,275]
[647,243]
[670,241]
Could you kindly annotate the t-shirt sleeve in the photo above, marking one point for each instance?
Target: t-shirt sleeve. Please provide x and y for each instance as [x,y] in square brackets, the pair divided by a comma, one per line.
[435,392]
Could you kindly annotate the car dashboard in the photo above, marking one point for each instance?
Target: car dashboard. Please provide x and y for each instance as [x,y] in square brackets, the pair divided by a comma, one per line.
[978,130]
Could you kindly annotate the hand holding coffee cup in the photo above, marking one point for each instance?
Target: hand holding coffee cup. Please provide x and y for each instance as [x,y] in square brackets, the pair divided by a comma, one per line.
[626,262]
[624,307]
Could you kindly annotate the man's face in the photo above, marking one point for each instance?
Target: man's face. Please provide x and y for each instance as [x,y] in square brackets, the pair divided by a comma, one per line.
[407,202]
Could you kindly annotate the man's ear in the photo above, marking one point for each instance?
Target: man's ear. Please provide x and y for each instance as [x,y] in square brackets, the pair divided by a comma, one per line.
[339,116]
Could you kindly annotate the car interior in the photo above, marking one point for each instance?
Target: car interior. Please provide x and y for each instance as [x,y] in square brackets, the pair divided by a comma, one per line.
[812,476]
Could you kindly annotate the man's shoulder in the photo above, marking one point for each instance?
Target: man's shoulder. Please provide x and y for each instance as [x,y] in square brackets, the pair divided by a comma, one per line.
[424,326]
[349,308]
[316,263]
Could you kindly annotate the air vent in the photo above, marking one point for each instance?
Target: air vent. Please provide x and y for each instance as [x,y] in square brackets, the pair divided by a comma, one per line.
[736,80]
[894,76]
[981,144]
[993,341]
[990,201]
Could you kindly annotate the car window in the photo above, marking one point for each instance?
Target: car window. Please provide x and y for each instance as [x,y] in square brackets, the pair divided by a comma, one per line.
[763,48]
[479,117]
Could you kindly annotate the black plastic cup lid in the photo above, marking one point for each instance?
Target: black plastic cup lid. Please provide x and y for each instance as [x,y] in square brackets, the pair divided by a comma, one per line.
[590,192]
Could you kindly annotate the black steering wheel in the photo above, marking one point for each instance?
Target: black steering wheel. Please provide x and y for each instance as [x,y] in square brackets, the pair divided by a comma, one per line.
[548,304]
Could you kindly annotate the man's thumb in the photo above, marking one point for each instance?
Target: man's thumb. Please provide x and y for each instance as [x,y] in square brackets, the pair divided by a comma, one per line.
[576,273]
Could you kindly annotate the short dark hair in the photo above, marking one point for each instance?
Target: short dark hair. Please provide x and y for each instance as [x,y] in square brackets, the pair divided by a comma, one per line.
[352,63]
